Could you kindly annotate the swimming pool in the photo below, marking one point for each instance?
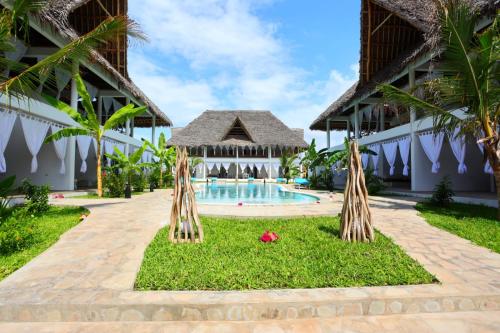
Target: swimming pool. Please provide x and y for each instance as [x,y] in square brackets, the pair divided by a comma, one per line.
[234,193]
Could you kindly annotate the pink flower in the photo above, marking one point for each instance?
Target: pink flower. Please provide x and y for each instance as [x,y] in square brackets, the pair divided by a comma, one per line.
[268,237]
[240,203]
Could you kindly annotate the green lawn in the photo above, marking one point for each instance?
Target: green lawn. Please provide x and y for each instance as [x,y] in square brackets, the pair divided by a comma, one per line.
[473,222]
[308,255]
[47,229]
[94,196]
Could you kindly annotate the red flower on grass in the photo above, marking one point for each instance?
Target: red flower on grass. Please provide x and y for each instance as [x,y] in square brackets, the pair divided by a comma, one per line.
[268,237]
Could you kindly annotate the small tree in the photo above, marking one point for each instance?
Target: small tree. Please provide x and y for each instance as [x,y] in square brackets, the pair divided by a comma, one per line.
[166,156]
[356,224]
[90,124]
[129,164]
[288,164]
[185,225]
[309,156]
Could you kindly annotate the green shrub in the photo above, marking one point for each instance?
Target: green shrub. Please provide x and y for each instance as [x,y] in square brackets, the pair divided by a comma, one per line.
[154,178]
[37,197]
[16,232]
[6,186]
[114,183]
[443,193]
[139,182]
[374,184]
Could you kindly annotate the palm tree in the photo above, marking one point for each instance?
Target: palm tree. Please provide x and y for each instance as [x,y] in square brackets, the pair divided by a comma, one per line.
[14,20]
[194,162]
[470,64]
[288,165]
[166,156]
[90,124]
[129,164]
[309,156]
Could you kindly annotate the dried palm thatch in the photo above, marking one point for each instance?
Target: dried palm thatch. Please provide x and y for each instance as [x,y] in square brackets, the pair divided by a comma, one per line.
[185,225]
[356,219]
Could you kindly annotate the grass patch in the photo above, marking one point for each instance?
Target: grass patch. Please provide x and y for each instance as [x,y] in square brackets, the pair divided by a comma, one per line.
[473,222]
[47,228]
[309,254]
[104,196]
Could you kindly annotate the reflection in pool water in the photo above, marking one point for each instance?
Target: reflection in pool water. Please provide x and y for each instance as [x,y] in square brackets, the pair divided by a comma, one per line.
[233,193]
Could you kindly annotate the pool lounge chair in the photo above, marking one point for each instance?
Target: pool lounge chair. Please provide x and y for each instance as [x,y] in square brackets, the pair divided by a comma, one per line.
[213,179]
[250,179]
[301,182]
[280,180]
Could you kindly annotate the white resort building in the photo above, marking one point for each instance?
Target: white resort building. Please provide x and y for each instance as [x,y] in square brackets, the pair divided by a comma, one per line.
[395,49]
[71,162]
[238,144]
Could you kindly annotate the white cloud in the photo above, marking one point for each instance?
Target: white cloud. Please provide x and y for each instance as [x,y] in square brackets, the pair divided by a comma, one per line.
[241,62]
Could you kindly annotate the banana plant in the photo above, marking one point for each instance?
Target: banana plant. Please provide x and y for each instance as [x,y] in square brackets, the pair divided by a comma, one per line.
[90,124]
[129,164]
[166,156]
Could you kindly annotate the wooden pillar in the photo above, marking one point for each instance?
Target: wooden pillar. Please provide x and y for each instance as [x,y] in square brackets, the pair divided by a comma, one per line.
[270,156]
[328,133]
[127,130]
[71,152]
[153,130]
[348,129]
[204,162]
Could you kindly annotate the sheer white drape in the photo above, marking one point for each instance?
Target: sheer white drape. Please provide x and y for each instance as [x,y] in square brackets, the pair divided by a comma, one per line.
[83,149]
[376,149]
[60,148]
[390,151]
[258,166]
[108,148]
[487,166]
[364,160]
[34,133]
[226,166]
[62,79]
[7,121]
[457,143]
[432,144]
[404,152]
[210,166]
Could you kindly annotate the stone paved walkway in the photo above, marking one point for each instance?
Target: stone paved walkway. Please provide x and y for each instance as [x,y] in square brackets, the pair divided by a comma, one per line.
[89,275]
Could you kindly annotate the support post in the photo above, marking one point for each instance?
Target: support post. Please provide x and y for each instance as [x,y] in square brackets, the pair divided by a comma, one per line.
[237,162]
[348,129]
[205,162]
[132,127]
[328,133]
[356,121]
[382,120]
[270,156]
[99,108]
[153,130]
[413,136]
[71,153]
[127,130]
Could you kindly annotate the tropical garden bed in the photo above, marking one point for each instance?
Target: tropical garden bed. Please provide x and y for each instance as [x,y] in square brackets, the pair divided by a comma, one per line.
[23,237]
[308,254]
[473,222]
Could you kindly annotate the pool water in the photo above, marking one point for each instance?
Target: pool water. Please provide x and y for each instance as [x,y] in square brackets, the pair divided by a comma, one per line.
[234,193]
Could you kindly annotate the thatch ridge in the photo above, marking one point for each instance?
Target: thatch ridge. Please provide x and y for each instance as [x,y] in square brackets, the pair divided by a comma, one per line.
[56,14]
[210,128]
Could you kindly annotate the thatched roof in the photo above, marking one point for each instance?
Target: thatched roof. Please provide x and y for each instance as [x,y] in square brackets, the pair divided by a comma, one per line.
[259,128]
[57,12]
[406,30]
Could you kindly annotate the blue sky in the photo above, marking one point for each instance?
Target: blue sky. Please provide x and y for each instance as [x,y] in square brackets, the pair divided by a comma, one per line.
[291,57]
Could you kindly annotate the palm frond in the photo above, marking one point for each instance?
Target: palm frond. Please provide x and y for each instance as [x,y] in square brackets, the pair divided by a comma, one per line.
[61,106]
[136,155]
[121,116]
[86,101]
[67,132]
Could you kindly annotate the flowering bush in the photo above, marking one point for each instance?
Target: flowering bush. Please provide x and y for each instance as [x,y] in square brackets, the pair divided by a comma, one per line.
[268,237]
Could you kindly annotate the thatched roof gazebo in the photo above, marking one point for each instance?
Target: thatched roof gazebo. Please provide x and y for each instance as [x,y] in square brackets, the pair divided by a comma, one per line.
[235,143]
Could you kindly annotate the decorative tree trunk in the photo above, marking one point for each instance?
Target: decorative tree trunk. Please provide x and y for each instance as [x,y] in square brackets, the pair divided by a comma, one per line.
[185,225]
[356,219]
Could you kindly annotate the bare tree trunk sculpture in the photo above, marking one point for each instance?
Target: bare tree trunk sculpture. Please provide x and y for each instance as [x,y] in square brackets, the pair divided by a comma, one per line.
[185,225]
[356,219]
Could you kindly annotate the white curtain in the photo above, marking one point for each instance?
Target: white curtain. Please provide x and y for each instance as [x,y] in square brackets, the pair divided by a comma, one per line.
[404,152]
[83,148]
[364,159]
[7,120]
[107,102]
[34,134]
[210,166]
[62,79]
[487,166]
[108,147]
[432,144]
[60,148]
[376,149]
[121,147]
[390,152]
[258,166]
[457,143]
[226,166]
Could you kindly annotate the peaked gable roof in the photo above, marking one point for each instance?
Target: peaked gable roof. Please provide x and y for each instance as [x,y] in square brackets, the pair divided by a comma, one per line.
[262,128]
[237,131]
